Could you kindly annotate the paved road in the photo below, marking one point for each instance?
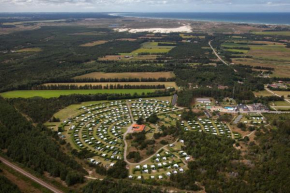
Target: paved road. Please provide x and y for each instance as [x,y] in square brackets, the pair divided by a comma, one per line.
[25,173]
[209,43]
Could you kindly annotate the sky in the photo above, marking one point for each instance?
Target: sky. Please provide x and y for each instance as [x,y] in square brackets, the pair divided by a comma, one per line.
[144,5]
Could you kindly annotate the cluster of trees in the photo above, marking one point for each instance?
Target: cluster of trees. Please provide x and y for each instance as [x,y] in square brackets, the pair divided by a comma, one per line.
[90,86]
[41,151]
[134,155]
[172,130]
[117,171]
[113,186]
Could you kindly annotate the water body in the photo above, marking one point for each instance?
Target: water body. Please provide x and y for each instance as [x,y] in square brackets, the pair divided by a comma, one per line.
[253,18]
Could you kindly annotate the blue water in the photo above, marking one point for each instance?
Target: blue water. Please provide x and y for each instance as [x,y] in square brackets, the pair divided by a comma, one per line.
[258,18]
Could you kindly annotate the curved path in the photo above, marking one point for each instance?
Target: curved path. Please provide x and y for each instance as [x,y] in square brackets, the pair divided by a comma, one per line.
[25,173]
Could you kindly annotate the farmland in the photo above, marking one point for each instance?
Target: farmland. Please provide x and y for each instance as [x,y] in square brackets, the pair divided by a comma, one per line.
[99,75]
[261,53]
[57,93]
[273,33]
[29,50]
[154,48]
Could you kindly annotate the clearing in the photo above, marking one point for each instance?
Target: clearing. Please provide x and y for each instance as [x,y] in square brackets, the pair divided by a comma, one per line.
[95,43]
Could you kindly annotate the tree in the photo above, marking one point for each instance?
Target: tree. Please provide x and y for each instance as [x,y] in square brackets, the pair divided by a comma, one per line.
[140,121]
[153,118]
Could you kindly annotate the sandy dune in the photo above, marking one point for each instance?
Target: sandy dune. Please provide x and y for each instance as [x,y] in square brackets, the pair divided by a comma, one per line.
[183,29]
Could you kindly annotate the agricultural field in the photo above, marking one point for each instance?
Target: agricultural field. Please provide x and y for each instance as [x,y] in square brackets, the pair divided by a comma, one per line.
[263,53]
[263,93]
[154,48]
[99,75]
[95,43]
[273,33]
[57,93]
[166,84]
[29,50]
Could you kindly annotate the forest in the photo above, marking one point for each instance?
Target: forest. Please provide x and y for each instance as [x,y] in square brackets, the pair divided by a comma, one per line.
[41,151]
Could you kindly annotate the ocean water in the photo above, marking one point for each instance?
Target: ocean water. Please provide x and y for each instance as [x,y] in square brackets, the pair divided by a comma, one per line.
[253,18]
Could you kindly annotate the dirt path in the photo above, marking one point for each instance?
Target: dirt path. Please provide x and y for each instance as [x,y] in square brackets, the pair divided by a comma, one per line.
[209,43]
[25,173]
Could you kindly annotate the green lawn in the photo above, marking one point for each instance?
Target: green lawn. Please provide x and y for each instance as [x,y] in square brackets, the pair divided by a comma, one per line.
[57,93]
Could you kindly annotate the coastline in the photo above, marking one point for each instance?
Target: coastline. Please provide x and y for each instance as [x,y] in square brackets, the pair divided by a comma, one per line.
[198,20]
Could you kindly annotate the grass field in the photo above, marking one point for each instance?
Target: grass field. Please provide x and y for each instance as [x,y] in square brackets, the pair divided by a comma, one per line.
[262,93]
[57,93]
[99,75]
[95,43]
[167,84]
[30,50]
[153,48]
[237,50]
[274,33]
[280,103]
[267,54]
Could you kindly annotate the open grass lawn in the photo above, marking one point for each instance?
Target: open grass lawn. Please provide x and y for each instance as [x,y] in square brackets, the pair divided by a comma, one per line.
[274,33]
[167,84]
[57,93]
[99,75]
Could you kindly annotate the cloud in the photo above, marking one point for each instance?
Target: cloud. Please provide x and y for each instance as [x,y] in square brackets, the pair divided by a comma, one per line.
[250,2]
[145,5]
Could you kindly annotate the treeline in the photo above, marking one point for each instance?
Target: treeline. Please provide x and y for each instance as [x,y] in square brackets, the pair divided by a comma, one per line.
[278,89]
[119,170]
[36,147]
[112,186]
[161,79]
[90,86]
[41,110]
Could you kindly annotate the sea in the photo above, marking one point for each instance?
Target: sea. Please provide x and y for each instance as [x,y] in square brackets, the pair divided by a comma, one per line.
[251,18]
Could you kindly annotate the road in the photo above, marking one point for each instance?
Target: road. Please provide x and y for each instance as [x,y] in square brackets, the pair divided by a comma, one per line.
[209,43]
[266,88]
[25,173]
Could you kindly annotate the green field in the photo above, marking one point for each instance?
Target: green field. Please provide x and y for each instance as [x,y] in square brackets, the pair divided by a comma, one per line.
[273,33]
[153,48]
[57,93]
